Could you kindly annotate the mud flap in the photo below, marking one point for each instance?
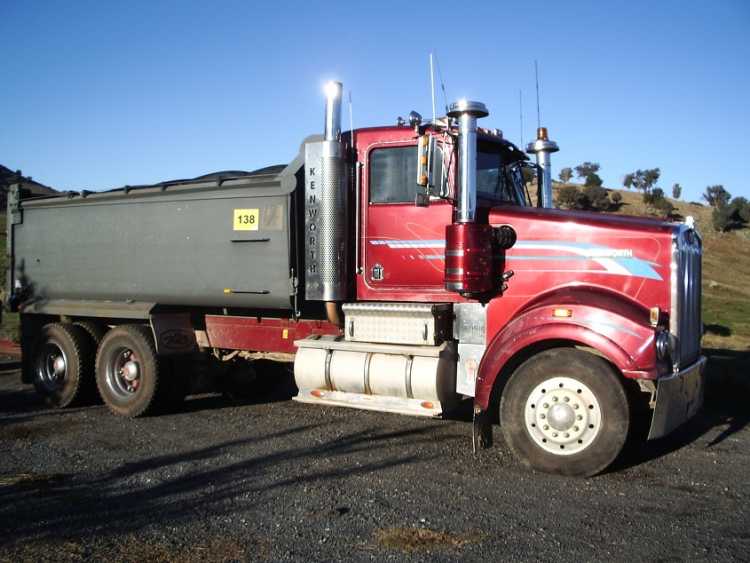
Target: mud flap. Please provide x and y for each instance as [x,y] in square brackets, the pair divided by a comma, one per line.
[481,435]
[173,333]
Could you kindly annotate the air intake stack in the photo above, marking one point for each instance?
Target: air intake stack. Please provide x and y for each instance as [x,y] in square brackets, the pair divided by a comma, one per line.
[468,244]
[542,148]
[325,210]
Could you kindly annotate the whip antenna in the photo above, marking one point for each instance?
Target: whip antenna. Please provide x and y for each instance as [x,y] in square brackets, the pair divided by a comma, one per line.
[442,83]
[351,119]
[432,88]
[536,74]
[520,112]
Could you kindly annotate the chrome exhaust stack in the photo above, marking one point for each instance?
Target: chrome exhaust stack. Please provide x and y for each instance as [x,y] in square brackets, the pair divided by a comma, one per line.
[543,148]
[467,113]
[326,260]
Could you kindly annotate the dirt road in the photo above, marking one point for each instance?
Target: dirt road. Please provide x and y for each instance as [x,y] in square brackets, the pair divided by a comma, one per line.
[276,480]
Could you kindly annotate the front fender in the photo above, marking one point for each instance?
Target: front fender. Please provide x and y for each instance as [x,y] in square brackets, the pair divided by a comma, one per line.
[626,343]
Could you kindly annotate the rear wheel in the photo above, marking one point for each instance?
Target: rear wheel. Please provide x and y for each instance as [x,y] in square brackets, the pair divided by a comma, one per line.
[128,372]
[95,333]
[62,367]
[565,411]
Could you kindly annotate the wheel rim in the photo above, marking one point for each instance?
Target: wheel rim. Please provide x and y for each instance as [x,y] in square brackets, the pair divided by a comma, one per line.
[563,416]
[124,373]
[52,367]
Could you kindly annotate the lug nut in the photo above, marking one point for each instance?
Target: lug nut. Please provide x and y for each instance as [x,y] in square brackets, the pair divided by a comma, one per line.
[579,417]
[546,405]
[575,429]
[554,434]
[546,427]
[566,399]
[567,435]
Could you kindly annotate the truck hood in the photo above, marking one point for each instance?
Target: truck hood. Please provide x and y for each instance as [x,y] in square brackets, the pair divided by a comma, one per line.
[596,219]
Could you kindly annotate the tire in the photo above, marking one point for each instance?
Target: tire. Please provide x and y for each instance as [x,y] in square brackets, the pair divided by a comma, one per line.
[128,371]
[565,411]
[95,333]
[61,364]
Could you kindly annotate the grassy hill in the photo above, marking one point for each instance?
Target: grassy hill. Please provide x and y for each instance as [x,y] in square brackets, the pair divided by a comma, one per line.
[726,275]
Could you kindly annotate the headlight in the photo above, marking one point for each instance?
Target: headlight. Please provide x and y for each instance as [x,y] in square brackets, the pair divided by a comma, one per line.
[663,345]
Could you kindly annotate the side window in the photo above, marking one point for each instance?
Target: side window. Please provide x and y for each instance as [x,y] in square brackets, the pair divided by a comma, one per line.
[393,173]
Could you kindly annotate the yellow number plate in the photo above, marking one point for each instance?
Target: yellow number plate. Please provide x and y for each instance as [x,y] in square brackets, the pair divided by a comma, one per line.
[246,219]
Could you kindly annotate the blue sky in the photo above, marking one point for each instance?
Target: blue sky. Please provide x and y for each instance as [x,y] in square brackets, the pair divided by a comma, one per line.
[102,94]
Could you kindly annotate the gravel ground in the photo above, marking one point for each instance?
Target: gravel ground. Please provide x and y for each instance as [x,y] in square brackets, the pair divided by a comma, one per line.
[276,480]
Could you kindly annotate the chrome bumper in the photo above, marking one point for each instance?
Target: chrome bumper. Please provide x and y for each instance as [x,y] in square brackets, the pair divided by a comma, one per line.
[678,398]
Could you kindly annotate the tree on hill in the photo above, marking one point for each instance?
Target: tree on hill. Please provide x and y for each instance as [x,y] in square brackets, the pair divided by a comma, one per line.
[721,218]
[740,207]
[566,174]
[585,169]
[733,215]
[570,197]
[616,198]
[716,196]
[594,198]
[642,180]
[593,180]
[598,198]
[653,196]
[676,191]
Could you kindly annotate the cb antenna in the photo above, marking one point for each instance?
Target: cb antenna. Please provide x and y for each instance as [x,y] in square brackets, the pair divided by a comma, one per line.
[432,88]
[538,114]
[442,83]
[520,112]
[351,120]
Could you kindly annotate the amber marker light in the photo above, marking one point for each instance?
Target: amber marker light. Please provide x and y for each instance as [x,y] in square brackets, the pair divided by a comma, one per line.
[562,313]
[653,315]
[317,393]
[427,405]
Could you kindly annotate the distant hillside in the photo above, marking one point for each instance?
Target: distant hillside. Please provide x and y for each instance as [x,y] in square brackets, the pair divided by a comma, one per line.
[9,177]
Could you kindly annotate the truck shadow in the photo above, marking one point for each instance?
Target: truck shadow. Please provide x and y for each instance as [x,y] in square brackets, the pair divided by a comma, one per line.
[726,393]
[210,483]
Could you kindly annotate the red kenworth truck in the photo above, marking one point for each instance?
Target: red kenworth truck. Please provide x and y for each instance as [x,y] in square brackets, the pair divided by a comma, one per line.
[402,268]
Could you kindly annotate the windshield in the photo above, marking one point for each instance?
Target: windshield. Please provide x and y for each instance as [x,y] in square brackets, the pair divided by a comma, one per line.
[496,178]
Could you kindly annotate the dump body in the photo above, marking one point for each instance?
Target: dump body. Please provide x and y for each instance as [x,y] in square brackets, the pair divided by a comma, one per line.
[226,242]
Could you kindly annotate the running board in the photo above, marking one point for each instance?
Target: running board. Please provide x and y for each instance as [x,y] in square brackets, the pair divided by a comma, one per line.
[398,405]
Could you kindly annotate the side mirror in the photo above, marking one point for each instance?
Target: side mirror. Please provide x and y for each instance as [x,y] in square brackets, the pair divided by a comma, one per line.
[425,154]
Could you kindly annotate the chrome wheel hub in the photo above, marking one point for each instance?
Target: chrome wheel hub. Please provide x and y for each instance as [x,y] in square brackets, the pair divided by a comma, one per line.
[124,373]
[51,367]
[58,365]
[130,371]
[562,415]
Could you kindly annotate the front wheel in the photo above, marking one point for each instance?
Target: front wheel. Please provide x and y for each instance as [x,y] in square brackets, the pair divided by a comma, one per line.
[565,411]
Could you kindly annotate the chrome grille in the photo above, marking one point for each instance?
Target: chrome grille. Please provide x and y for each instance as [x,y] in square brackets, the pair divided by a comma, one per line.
[686,323]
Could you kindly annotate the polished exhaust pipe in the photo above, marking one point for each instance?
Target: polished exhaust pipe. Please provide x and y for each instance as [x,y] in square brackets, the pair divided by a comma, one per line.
[326,259]
[467,113]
